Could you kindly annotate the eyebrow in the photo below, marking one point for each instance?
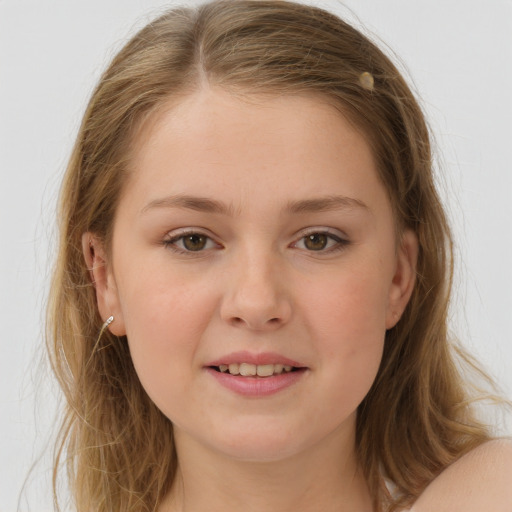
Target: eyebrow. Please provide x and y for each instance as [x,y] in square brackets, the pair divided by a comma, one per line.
[208,205]
[325,204]
[200,204]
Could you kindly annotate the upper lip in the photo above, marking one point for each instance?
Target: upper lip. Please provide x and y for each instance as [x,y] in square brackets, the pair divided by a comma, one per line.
[257,359]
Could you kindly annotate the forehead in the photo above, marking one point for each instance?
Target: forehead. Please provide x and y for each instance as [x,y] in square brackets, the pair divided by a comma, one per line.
[250,147]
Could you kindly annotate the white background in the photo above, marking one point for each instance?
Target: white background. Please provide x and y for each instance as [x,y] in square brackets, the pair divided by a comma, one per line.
[459,56]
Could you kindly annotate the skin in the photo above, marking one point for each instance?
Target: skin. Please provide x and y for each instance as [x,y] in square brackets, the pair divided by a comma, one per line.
[480,480]
[258,286]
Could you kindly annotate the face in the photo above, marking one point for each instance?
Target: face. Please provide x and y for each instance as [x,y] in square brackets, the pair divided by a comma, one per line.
[254,236]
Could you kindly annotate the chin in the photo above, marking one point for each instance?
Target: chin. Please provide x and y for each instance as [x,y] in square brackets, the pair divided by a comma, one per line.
[261,451]
[261,442]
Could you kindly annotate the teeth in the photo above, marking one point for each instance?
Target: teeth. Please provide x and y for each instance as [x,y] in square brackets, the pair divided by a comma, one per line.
[247,370]
[278,368]
[265,370]
[234,369]
[251,370]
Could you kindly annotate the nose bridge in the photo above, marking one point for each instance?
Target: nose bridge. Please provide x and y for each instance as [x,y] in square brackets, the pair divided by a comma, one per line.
[256,296]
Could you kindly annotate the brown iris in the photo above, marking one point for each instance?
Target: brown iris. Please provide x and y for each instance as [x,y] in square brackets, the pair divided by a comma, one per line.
[194,242]
[316,241]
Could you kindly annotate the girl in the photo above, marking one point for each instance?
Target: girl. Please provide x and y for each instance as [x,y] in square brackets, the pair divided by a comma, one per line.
[250,302]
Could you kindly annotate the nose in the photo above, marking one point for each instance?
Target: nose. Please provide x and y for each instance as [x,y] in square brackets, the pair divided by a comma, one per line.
[256,296]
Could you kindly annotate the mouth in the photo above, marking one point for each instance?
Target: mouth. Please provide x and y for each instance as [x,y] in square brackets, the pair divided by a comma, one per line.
[255,370]
[256,375]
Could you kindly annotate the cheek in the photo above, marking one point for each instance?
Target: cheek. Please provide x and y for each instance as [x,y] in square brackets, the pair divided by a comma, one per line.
[350,322]
[164,325]
[351,307]
[160,304]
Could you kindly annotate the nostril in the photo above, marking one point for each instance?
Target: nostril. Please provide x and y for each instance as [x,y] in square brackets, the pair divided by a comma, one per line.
[238,321]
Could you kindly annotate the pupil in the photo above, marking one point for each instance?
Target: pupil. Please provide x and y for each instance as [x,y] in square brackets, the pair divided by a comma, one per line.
[194,242]
[316,242]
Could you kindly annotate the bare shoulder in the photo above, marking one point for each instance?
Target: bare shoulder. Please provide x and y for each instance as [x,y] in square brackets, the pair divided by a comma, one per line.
[479,481]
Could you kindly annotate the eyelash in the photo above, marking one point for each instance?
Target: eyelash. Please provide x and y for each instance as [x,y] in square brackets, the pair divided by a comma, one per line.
[339,245]
[170,243]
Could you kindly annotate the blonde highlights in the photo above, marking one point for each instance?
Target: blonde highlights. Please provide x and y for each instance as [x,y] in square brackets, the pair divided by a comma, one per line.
[117,446]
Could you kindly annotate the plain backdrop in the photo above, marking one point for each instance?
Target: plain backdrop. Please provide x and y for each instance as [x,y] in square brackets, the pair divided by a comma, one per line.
[457,55]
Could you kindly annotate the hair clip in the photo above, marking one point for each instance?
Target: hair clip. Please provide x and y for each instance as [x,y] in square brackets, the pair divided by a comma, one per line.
[367,81]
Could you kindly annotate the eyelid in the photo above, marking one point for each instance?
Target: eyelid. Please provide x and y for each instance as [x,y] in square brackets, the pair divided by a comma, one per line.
[172,237]
[339,237]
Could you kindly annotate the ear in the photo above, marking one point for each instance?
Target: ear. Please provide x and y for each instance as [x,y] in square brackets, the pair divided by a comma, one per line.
[404,277]
[103,281]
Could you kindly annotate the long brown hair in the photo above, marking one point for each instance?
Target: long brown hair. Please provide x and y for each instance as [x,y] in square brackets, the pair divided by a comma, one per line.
[117,446]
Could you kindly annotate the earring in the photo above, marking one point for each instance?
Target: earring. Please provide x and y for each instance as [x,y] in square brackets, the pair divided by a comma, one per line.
[107,322]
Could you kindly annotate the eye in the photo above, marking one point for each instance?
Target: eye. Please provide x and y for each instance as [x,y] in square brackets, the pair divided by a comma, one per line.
[321,241]
[190,242]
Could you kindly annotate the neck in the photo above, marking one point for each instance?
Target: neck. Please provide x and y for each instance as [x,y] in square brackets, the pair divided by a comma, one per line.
[324,477]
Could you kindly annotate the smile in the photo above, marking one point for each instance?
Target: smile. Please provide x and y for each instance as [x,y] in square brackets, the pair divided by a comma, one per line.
[256,374]
[254,370]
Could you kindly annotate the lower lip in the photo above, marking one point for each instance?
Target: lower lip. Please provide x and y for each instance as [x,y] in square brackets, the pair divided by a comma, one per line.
[257,386]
